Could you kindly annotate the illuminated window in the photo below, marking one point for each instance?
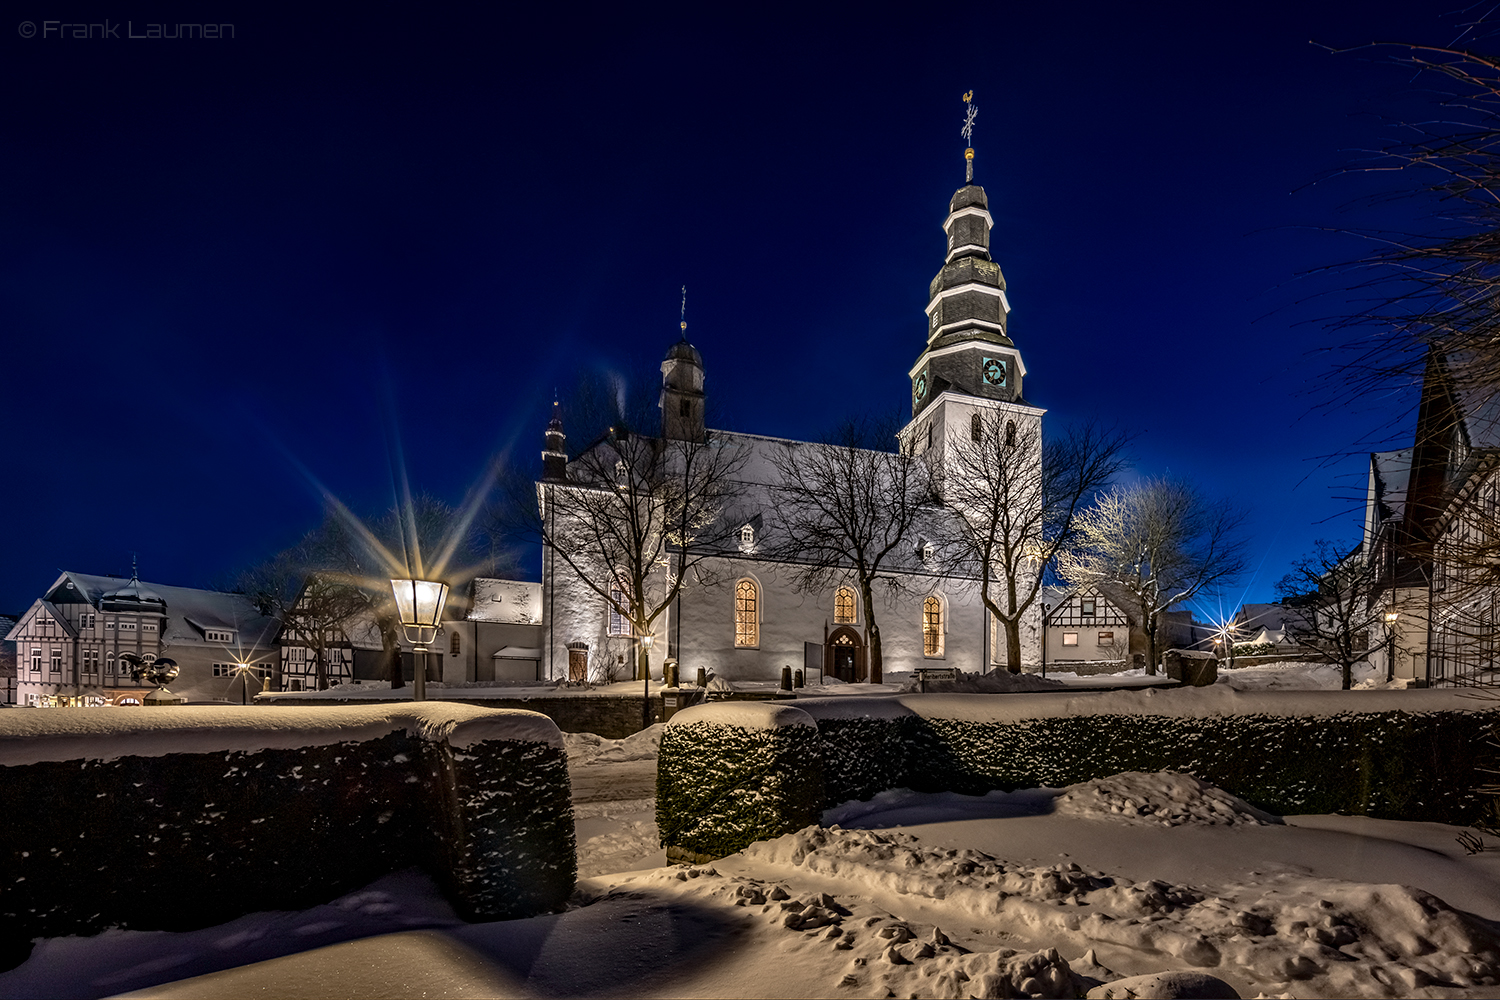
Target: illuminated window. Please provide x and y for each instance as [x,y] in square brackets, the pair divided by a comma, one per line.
[746,613]
[618,624]
[843,606]
[453,644]
[1070,638]
[932,626]
[976,427]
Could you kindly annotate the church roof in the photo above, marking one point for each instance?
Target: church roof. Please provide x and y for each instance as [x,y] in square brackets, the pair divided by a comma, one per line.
[684,351]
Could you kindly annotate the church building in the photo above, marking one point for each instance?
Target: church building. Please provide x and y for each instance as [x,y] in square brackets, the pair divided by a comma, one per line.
[752,618]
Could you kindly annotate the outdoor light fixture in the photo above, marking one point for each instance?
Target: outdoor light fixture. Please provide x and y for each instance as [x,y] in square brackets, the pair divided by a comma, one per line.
[419,605]
[1390,645]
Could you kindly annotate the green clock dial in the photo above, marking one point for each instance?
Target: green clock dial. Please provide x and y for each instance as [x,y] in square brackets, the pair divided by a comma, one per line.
[921,386]
[994,371]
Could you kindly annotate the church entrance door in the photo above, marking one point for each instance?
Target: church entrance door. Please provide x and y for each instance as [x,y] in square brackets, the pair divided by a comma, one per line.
[847,654]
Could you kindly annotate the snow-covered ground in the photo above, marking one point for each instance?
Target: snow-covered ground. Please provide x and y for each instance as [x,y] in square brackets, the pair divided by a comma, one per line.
[1044,892]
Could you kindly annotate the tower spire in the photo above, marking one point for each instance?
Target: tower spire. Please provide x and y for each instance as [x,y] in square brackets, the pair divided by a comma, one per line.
[684,312]
[968,133]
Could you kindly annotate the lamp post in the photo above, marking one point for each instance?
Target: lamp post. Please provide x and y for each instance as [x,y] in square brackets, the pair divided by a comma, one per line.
[1390,645]
[1046,610]
[646,641]
[419,605]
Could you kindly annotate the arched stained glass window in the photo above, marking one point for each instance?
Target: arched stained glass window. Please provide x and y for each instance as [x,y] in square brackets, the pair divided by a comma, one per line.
[746,613]
[932,626]
[843,606]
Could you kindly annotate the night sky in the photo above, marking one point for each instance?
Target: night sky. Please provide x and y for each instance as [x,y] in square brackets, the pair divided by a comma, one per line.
[222,258]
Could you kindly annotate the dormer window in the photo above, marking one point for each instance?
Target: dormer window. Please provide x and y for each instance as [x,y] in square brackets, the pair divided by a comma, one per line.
[217,635]
[747,538]
[928,552]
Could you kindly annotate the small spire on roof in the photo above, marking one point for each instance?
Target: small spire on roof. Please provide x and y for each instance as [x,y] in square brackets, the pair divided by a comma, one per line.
[684,312]
[968,133]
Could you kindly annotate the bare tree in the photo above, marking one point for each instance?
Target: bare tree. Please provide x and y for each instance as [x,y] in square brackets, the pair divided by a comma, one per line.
[1162,541]
[1018,502]
[636,518]
[1333,590]
[316,600]
[850,504]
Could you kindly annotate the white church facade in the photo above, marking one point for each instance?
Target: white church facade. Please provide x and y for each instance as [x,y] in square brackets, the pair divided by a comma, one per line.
[746,612]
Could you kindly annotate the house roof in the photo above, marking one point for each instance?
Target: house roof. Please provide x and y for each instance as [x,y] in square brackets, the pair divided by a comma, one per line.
[187,609]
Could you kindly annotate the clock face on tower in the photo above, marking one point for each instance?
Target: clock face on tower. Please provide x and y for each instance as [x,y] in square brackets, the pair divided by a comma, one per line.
[994,371]
[921,386]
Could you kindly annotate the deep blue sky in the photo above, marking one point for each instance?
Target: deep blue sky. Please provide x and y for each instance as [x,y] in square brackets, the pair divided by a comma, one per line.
[215,254]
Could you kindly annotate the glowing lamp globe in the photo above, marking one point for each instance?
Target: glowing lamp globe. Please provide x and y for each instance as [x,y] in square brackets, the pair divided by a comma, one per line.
[419,604]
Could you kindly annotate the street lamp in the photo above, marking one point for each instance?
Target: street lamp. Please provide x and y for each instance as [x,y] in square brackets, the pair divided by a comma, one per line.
[1390,644]
[419,605]
[646,641]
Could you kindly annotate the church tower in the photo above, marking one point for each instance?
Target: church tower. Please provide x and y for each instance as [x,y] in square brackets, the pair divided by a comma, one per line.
[682,398]
[969,374]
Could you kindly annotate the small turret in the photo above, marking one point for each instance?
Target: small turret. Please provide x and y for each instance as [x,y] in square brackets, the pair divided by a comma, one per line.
[682,397]
[555,455]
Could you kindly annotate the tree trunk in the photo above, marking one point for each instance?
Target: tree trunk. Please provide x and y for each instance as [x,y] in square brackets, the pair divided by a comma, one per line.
[1012,643]
[642,662]
[1348,670]
[320,669]
[1151,651]
[868,598]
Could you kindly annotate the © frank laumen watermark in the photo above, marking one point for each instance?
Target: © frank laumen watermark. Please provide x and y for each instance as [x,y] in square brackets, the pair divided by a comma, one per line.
[107,29]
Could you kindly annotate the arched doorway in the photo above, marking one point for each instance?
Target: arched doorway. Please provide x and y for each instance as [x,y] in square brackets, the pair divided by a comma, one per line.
[845,652]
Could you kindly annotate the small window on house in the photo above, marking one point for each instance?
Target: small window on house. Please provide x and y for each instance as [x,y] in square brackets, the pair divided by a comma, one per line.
[453,643]
[1010,433]
[1070,638]
[1087,609]
[36,659]
[1105,638]
[976,427]
[843,606]
[928,551]
[618,624]
[109,663]
[932,626]
[109,624]
[56,661]
[746,613]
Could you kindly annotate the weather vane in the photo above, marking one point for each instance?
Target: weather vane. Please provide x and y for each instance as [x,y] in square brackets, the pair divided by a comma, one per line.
[684,311]
[968,133]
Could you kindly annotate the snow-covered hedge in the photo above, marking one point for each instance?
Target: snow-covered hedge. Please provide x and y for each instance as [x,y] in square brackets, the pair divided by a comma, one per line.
[732,773]
[187,817]
[1414,755]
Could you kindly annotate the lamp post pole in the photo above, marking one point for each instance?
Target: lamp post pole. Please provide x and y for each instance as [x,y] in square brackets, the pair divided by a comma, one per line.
[1046,610]
[646,641]
[1390,645]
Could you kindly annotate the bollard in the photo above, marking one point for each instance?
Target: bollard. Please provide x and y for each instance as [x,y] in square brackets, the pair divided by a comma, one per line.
[797,678]
[703,677]
[786,678]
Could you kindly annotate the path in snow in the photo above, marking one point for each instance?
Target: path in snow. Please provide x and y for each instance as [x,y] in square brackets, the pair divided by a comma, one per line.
[614,801]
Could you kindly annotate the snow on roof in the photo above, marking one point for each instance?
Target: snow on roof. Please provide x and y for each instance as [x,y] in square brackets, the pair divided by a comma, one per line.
[184,606]
[36,735]
[1392,471]
[744,714]
[518,653]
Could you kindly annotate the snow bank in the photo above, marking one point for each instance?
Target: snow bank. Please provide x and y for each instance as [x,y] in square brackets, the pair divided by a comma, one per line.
[36,735]
[587,748]
[1164,798]
[1333,938]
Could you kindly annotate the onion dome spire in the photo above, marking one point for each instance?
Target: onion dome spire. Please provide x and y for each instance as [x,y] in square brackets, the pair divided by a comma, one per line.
[555,455]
